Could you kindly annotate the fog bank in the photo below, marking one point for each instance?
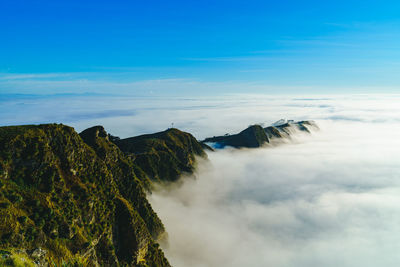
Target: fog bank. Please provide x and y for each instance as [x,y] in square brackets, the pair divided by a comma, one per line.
[127,116]
[330,199]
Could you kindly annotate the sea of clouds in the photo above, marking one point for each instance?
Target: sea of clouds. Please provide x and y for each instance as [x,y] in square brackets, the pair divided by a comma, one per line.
[202,116]
[328,199]
[332,199]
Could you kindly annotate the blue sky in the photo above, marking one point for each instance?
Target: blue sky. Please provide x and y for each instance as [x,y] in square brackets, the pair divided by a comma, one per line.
[199,47]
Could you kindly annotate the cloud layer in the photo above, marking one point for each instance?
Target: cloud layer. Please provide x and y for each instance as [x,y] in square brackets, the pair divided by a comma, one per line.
[202,116]
[330,199]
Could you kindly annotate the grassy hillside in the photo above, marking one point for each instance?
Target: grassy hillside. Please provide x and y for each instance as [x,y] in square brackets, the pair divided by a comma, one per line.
[163,156]
[256,136]
[79,200]
[253,136]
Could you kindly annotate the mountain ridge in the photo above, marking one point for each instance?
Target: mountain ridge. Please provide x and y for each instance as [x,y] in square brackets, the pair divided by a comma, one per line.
[256,136]
[78,199]
[81,199]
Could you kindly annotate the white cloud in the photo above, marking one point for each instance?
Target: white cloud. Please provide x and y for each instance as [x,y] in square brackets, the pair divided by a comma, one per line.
[126,83]
[333,199]
[30,76]
[202,116]
[330,199]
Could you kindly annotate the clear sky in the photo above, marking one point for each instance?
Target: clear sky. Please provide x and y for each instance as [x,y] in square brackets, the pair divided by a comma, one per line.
[199,47]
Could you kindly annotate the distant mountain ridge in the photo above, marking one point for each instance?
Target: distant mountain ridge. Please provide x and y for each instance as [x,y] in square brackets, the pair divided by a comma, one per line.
[256,136]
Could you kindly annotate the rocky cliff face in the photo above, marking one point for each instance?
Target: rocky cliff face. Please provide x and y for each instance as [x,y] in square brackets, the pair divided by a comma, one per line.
[77,199]
[256,136]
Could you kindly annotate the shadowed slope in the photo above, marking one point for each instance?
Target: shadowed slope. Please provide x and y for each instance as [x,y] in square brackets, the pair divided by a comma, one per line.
[256,136]
[123,170]
[163,156]
[63,201]
[252,137]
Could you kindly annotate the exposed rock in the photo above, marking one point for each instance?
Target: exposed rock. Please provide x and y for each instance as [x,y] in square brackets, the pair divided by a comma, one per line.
[38,253]
[39,257]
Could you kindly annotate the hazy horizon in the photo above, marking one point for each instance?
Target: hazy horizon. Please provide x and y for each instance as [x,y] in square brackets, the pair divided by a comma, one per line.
[210,68]
[328,199]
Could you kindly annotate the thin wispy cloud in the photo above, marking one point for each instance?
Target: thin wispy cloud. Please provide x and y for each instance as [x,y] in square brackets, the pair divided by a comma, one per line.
[324,42]
[124,84]
[230,59]
[32,76]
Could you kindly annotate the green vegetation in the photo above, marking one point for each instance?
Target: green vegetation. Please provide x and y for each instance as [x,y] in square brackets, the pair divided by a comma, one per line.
[253,136]
[163,156]
[78,200]
[15,259]
[256,136]
[127,175]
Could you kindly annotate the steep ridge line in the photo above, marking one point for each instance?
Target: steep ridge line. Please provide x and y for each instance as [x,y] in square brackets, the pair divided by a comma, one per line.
[80,199]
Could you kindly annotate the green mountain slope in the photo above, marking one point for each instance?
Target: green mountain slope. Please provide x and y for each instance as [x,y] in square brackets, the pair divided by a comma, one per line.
[256,136]
[163,156]
[253,136]
[78,199]
[122,169]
